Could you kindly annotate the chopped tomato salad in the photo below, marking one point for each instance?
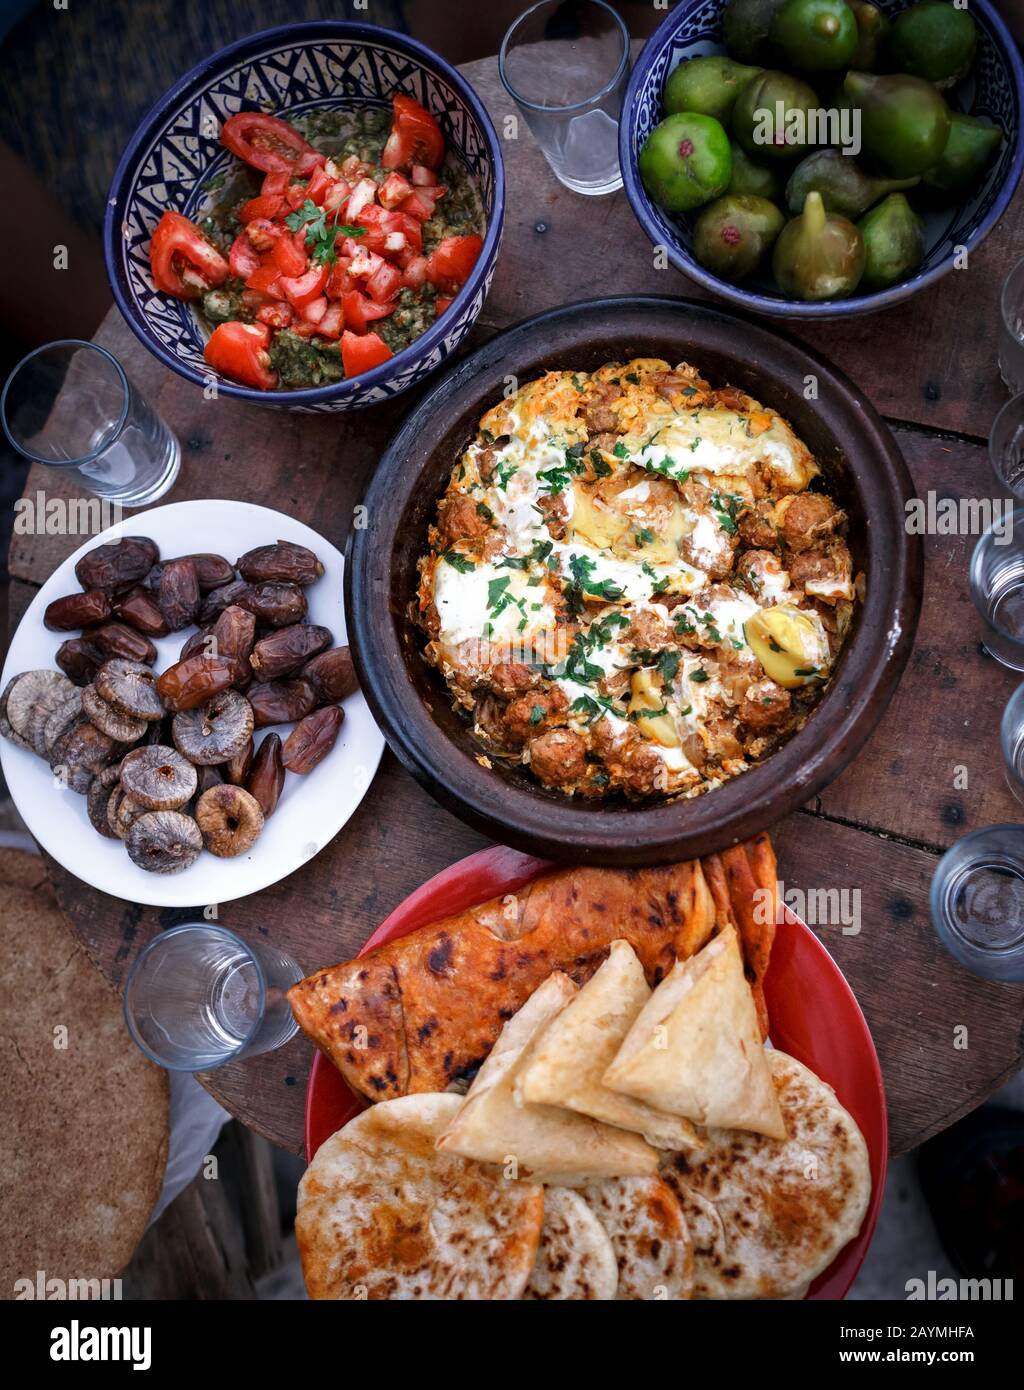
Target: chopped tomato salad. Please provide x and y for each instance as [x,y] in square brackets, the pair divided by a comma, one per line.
[334,260]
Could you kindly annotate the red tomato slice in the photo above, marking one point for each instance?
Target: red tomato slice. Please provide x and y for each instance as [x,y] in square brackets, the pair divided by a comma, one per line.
[393,190]
[299,290]
[332,323]
[449,264]
[359,311]
[184,263]
[274,185]
[337,194]
[419,206]
[415,272]
[441,304]
[340,281]
[314,311]
[384,283]
[288,258]
[295,195]
[359,354]
[415,137]
[239,350]
[243,260]
[317,187]
[261,233]
[269,143]
[267,205]
[423,177]
[275,315]
[266,279]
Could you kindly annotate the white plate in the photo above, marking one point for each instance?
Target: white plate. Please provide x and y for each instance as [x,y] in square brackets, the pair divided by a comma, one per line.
[312,809]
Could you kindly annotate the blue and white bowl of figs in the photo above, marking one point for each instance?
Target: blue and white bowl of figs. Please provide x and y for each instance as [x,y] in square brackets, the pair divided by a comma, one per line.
[394,209]
[992,92]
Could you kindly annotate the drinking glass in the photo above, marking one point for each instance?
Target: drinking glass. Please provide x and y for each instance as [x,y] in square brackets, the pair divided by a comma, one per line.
[565,63]
[1011,737]
[997,588]
[1011,330]
[1006,446]
[199,996]
[69,405]
[977,902]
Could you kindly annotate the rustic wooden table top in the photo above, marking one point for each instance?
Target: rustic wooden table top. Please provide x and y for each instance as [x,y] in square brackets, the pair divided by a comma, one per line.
[931,772]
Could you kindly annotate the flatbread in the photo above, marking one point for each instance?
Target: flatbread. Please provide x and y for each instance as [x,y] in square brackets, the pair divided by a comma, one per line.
[83,1127]
[566,1061]
[575,1259]
[541,1140]
[695,1049]
[647,1229]
[766,1216]
[383,1215]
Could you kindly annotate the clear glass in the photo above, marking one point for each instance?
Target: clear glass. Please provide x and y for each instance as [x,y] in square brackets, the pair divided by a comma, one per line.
[997,588]
[565,63]
[199,996]
[1011,737]
[1011,330]
[69,405]
[1006,446]
[977,902]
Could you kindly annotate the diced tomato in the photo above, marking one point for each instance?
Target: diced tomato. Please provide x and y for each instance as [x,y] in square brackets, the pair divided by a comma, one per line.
[355,168]
[267,205]
[266,279]
[269,144]
[423,177]
[359,311]
[276,315]
[317,187]
[394,188]
[340,281]
[415,137]
[364,193]
[300,289]
[184,263]
[384,283]
[288,257]
[239,350]
[449,264]
[314,311]
[337,194]
[251,301]
[360,354]
[333,321]
[295,195]
[303,329]
[242,259]
[415,272]
[413,231]
[262,233]
[274,185]
[364,264]
[419,205]
[441,304]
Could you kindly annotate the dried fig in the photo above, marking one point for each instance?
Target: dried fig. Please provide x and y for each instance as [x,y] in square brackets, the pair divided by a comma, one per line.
[97,797]
[194,681]
[287,649]
[62,718]
[158,777]
[266,780]
[141,611]
[178,594]
[120,727]
[24,693]
[5,724]
[331,674]
[284,561]
[118,563]
[280,702]
[77,611]
[216,731]
[80,753]
[164,842]
[120,640]
[79,659]
[126,813]
[312,739]
[131,688]
[230,820]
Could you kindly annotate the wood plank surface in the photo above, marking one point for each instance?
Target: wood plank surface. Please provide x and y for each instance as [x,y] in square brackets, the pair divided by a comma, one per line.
[877,830]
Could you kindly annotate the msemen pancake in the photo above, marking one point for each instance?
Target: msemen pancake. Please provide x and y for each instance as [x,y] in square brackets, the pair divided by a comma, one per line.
[575,1259]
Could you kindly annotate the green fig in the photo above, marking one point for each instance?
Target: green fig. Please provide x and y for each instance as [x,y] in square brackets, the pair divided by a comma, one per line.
[873,28]
[815,35]
[893,242]
[708,85]
[749,177]
[686,161]
[904,122]
[934,40]
[770,118]
[843,187]
[970,149]
[746,26]
[818,255]
[734,234]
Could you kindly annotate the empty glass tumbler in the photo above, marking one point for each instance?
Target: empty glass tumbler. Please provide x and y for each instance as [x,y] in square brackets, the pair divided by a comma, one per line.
[69,405]
[565,63]
[977,902]
[997,588]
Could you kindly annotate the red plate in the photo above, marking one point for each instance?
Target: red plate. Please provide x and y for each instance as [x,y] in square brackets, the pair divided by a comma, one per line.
[814,1017]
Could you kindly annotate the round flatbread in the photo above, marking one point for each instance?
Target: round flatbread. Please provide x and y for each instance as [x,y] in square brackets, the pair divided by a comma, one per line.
[768,1215]
[575,1259]
[645,1225]
[382,1214]
[83,1114]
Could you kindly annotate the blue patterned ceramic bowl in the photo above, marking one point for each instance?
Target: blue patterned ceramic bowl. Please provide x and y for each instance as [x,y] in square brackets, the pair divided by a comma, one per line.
[995,90]
[293,70]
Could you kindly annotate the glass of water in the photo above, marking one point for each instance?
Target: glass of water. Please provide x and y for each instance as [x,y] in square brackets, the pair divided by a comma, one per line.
[199,996]
[997,588]
[69,405]
[1006,446]
[977,901]
[1011,330]
[1011,737]
[565,63]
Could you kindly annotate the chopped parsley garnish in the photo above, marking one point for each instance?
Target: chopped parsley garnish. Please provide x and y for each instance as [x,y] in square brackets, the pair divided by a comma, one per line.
[695,444]
[506,470]
[683,624]
[483,510]
[620,451]
[689,390]
[726,509]
[582,568]
[668,468]
[805,670]
[632,378]
[602,468]
[487,436]
[496,591]
[700,675]
[668,665]
[644,537]
[536,714]
[320,235]
[462,563]
[593,707]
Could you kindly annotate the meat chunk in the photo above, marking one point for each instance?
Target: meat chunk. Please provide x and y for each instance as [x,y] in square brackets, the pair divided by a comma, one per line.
[599,416]
[511,678]
[824,571]
[762,573]
[558,757]
[649,631]
[809,518]
[757,527]
[766,706]
[556,514]
[459,520]
[532,712]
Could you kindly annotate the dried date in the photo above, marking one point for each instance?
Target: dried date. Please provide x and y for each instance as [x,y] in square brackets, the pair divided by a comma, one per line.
[277,605]
[77,611]
[218,599]
[287,649]
[117,639]
[266,779]
[79,660]
[191,682]
[237,769]
[140,610]
[212,571]
[283,561]
[178,594]
[312,739]
[280,702]
[117,564]
[331,675]
[233,636]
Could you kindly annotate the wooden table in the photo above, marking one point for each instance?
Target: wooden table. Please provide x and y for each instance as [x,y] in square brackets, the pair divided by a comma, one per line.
[931,773]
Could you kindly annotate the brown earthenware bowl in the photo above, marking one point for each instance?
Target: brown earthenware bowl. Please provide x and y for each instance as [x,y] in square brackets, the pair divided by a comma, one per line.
[863,471]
